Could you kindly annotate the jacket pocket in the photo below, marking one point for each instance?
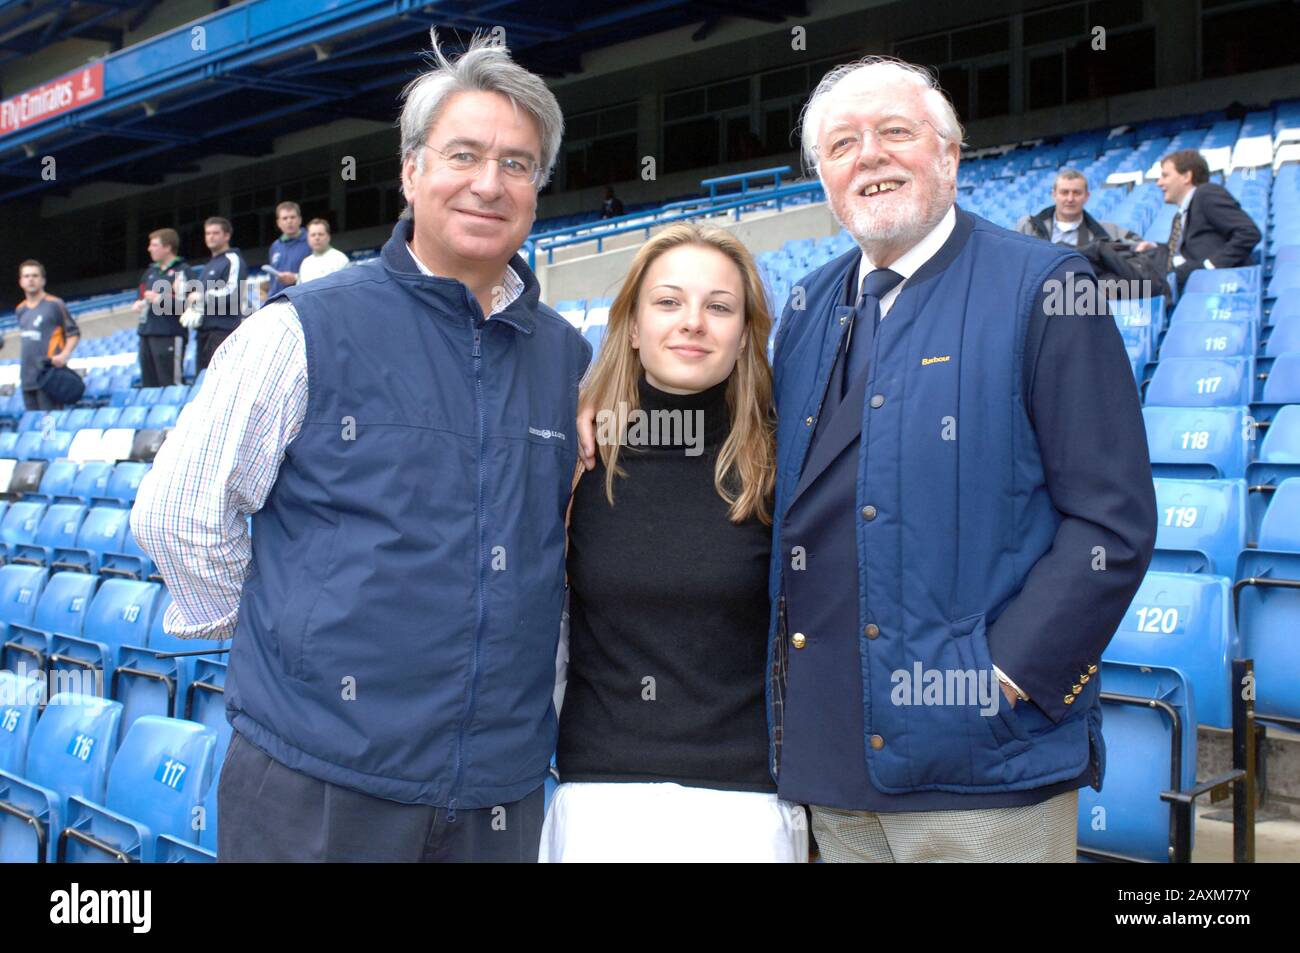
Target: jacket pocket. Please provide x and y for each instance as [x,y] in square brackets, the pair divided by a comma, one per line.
[293,624]
[1004,721]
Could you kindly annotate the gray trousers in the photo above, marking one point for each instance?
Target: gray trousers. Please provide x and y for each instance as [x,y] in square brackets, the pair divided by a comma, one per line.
[1036,833]
[267,813]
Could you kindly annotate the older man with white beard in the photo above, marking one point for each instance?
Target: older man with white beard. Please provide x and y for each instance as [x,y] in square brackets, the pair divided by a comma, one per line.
[964,506]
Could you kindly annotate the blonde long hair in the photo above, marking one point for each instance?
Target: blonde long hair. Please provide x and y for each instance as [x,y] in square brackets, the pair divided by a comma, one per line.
[745,472]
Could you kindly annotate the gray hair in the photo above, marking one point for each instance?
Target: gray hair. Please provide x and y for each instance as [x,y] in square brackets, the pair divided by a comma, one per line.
[484,67]
[1069,173]
[942,116]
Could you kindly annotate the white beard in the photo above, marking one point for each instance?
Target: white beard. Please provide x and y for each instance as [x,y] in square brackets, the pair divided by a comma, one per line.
[888,222]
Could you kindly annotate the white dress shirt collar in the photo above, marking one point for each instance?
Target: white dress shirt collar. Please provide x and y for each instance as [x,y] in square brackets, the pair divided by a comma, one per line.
[911,260]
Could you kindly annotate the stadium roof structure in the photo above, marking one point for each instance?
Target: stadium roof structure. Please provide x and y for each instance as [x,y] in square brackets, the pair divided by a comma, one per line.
[232,81]
[28,26]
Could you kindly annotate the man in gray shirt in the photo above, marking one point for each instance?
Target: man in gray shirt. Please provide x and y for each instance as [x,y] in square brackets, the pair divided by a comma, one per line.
[47,329]
[1065,222]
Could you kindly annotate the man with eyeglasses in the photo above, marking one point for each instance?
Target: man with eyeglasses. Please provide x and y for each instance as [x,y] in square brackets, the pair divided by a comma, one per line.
[396,430]
[964,506]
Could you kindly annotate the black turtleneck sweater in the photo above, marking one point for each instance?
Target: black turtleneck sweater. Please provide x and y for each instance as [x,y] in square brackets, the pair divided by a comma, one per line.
[668,618]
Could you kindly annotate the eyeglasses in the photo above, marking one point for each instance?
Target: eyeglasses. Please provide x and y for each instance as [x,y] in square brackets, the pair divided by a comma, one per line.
[517,168]
[895,134]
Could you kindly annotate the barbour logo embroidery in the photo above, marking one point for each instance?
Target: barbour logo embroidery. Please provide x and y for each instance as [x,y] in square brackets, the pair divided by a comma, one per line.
[936,360]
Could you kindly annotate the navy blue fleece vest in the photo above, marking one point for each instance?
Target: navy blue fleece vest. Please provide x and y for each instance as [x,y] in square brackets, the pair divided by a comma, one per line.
[398,626]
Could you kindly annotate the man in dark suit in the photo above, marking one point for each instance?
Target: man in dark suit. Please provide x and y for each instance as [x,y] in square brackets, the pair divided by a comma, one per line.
[1210,229]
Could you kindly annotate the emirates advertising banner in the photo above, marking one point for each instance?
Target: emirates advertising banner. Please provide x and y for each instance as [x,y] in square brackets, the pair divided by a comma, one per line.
[52,99]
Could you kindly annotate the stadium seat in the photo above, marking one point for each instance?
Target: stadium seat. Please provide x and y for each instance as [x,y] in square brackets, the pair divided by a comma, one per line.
[173,850]
[1285,337]
[25,480]
[60,608]
[101,532]
[124,483]
[55,444]
[106,417]
[1201,525]
[57,481]
[159,777]
[1209,339]
[9,444]
[120,614]
[21,697]
[1198,443]
[20,523]
[1195,382]
[1268,606]
[1216,307]
[1149,726]
[116,444]
[146,443]
[176,394]
[1184,622]
[92,480]
[28,446]
[58,527]
[147,684]
[20,591]
[133,416]
[129,561]
[86,445]
[1246,279]
[68,756]
[1283,383]
[162,415]
[78,418]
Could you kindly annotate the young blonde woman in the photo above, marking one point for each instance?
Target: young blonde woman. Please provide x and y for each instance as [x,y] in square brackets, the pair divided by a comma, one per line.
[663,744]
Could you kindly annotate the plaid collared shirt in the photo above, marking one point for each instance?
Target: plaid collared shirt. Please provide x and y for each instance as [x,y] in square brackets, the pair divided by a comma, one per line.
[219,464]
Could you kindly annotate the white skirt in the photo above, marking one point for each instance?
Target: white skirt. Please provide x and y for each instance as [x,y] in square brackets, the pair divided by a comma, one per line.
[660,821]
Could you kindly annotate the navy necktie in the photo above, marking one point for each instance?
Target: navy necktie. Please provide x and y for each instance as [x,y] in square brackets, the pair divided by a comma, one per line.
[875,286]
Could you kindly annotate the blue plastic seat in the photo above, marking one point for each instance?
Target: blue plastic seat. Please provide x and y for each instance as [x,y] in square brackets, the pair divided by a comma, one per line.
[1198,443]
[69,754]
[1209,339]
[92,480]
[60,607]
[129,561]
[1285,337]
[1247,279]
[160,776]
[1283,384]
[147,396]
[20,591]
[28,446]
[9,445]
[55,444]
[30,421]
[57,481]
[133,417]
[101,532]
[59,526]
[124,483]
[1201,525]
[173,850]
[1216,307]
[147,683]
[162,415]
[77,418]
[1184,622]
[106,417]
[21,697]
[1197,382]
[1268,605]
[176,394]
[1150,749]
[120,614]
[21,520]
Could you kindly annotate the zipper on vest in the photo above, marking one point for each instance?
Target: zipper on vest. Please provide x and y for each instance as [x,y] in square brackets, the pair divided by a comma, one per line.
[477,354]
